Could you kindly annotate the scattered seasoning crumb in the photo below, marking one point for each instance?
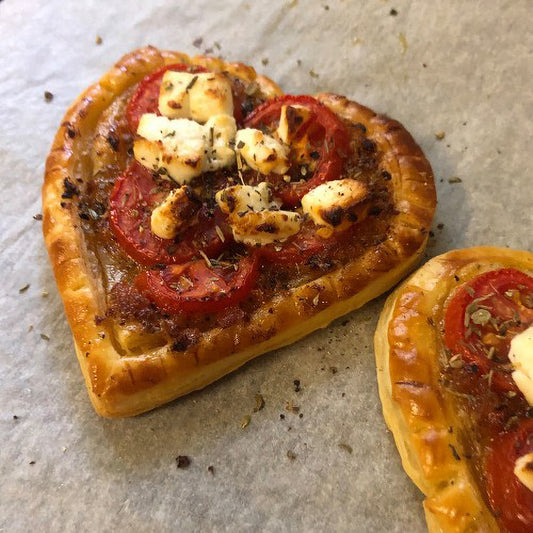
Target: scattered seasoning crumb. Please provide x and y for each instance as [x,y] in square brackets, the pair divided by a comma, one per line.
[183,461]
[25,288]
[44,293]
[282,416]
[99,39]
[301,415]
[245,421]
[316,300]
[45,337]
[393,12]
[299,62]
[291,455]
[211,470]
[296,383]
[440,225]
[264,61]
[346,447]
[32,462]
[326,7]
[439,135]
[15,417]
[455,179]
[38,216]
[259,403]
[313,74]
[30,327]
[289,406]
[424,65]
[403,42]
[205,258]
[48,96]
[333,369]
[356,40]
[219,233]
[217,45]
[198,42]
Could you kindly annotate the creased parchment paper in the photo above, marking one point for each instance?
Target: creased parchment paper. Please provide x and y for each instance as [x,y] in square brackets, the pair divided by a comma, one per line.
[462,68]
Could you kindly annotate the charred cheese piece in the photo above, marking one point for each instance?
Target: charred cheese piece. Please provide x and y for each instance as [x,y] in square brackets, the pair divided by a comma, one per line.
[523,470]
[182,148]
[336,204]
[196,96]
[521,356]
[262,152]
[291,119]
[254,216]
[174,214]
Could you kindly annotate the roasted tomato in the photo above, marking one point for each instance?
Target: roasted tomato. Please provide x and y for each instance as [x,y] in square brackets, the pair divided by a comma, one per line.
[134,196]
[482,318]
[195,287]
[325,131]
[510,499]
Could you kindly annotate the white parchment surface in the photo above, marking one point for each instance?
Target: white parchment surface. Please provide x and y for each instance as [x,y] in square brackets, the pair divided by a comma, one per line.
[462,68]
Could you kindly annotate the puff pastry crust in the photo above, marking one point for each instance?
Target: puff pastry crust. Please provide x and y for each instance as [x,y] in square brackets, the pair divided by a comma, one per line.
[417,408]
[125,382]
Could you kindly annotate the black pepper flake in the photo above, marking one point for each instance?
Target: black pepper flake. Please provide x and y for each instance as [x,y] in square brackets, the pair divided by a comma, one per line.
[25,288]
[113,142]
[38,216]
[282,416]
[440,225]
[32,462]
[291,455]
[211,470]
[264,61]
[456,456]
[70,189]
[393,12]
[296,383]
[183,461]
[15,417]
[48,96]
[198,42]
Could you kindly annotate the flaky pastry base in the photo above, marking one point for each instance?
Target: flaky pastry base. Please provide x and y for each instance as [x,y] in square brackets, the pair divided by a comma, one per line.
[122,383]
[416,407]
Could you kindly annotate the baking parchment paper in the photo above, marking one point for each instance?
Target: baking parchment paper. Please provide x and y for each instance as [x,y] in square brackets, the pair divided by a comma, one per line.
[462,68]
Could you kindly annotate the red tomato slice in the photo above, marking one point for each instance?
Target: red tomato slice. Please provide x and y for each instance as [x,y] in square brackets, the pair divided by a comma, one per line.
[132,201]
[299,248]
[335,142]
[194,287]
[146,97]
[498,299]
[512,500]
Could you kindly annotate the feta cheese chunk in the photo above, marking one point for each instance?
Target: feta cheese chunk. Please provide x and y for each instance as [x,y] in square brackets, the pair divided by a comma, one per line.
[196,96]
[291,119]
[174,214]
[523,470]
[262,152]
[182,148]
[176,147]
[521,356]
[221,130]
[336,204]
[254,216]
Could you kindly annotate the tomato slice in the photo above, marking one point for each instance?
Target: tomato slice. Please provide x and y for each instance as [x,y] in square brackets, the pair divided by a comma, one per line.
[194,287]
[146,97]
[132,201]
[511,499]
[334,142]
[299,248]
[483,317]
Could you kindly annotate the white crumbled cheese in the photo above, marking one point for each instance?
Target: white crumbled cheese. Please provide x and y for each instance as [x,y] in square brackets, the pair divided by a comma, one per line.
[176,147]
[173,215]
[262,152]
[521,356]
[523,470]
[182,148]
[255,217]
[291,119]
[221,130]
[336,204]
[196,96]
